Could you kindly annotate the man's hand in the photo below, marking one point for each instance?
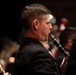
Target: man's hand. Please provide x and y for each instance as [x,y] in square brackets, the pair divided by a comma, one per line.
[2,71]
[64,64]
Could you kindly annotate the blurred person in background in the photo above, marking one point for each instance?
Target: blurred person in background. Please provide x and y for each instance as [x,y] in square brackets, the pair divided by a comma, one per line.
[7,48]
[71,66]
[66,38]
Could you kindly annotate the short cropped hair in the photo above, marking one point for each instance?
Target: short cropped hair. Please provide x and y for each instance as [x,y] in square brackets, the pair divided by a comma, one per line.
[67,34]
[31,12]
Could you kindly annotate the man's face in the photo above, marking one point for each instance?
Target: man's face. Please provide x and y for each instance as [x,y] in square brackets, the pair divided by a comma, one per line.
[45,27]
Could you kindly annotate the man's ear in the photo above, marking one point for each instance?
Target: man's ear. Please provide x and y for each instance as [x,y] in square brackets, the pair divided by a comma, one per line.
[35,24]
[70,42]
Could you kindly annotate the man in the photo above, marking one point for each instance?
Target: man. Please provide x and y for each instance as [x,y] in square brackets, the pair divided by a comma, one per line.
[33,58]
[69,43]
[66,38]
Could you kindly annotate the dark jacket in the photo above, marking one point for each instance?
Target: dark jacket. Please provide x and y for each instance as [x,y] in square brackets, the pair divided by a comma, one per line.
[71,67]
[33,59]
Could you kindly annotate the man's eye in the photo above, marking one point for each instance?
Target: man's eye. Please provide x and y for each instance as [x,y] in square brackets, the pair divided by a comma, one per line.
[48,23]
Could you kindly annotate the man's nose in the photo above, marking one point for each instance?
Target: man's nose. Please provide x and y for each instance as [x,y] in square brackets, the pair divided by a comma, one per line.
[50,26]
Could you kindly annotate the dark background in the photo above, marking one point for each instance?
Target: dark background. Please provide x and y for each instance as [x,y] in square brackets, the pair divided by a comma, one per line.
[11,9]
